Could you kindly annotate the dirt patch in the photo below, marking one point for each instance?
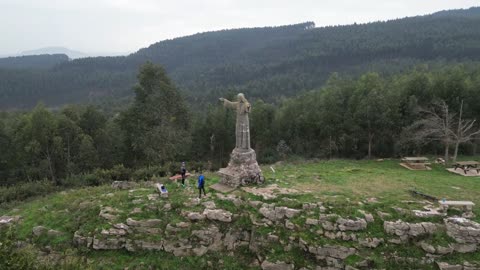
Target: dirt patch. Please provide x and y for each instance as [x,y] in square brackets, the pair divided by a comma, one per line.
[269,192]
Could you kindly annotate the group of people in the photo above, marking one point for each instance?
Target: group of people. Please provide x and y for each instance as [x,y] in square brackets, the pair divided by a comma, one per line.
[200,182]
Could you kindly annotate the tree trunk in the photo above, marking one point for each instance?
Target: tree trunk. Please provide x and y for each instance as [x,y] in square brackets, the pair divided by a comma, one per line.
[459,133]
[455,152]
[68,156]
[330,147]
[475,145]
[447,145]
[50,165]
[370,142]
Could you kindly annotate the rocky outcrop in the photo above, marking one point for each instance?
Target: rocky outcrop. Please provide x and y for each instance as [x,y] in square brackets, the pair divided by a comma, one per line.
[235,239]
[242,168]
[341,235]
[333,222]
[109,213]
[351,225]
[218,214]
[368,217]
[464,248]
[108,243]
[266,265]
[405,230]
[41,230]
[464,266]
[134,245]
[195,216]
[143,223]
[209,205]
[446,266]
[370,242]
[122,184]
[451,248]
[463,230]
[114,232]
[178,248]
[211,237]
[82,241]
[6,221]
[149,226]
[231,198]
[277,213]
[337,252]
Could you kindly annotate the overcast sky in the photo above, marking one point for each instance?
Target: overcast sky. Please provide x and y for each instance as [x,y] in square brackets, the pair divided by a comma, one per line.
[94,26]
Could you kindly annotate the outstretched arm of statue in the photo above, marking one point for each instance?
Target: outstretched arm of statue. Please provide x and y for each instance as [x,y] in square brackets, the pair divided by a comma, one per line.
[228,104]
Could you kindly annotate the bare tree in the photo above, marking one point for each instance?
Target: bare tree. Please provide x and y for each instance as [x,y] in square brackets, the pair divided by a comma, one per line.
[436,125]
[465,132]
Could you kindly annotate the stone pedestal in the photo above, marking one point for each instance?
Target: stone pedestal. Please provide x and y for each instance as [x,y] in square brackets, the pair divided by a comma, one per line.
[242,169]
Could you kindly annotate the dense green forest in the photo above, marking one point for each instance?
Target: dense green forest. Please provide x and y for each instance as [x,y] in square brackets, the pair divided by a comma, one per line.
[265,63]
[367,116]
[44,61]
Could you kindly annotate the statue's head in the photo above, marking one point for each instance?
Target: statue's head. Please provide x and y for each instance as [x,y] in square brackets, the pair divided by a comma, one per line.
[241,98]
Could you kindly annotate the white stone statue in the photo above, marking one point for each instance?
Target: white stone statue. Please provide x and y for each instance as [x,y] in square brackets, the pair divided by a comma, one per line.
[243,168]
[242,128]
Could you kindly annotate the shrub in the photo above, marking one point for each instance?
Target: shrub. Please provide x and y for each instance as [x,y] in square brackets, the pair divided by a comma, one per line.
[81,180]
[26,190]
[104,176]
[11,257]
[146,173]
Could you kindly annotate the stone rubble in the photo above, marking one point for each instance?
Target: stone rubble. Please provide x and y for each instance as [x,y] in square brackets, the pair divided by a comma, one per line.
[405,230]
[463,230]
[122,184]
[464,266]
[195,216]
[277,213]
[278,265]
[214,236]
[218,214]
[109,213]
[336,252]
[370,242]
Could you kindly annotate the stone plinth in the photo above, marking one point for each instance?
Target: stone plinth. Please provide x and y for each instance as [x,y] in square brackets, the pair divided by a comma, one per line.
[242,169]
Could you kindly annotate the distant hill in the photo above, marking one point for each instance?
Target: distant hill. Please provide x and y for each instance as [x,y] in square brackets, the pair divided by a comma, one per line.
[56,50]
[267,62]
[45,61]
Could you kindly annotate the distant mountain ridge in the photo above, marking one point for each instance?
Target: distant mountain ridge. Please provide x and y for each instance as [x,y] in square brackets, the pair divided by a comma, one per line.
[266,62]
[72,54]
[44,61]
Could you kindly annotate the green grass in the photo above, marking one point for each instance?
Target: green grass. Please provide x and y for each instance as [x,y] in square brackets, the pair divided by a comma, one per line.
[344,187]
[346,180]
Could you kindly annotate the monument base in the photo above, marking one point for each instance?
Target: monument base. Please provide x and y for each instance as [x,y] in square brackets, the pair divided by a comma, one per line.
[242,169]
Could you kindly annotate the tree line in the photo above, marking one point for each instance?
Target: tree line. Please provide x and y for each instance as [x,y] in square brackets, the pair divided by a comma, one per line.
[366,116]
[268,63]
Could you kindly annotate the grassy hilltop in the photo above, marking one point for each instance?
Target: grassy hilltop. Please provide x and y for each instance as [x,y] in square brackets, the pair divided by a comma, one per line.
[342,186]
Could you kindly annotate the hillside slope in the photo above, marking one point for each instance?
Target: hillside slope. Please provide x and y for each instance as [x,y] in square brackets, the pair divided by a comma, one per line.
[267,62]
[326,215]
[43,61]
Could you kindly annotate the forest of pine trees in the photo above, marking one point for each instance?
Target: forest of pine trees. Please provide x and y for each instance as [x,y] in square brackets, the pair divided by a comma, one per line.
[351,117]
[267,63]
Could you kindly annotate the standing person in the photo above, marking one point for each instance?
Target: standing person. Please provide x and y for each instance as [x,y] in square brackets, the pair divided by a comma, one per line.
[183,172]
[201,185]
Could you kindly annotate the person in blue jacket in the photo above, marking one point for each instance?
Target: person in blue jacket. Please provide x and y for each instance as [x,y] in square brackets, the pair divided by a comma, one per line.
[201,185]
